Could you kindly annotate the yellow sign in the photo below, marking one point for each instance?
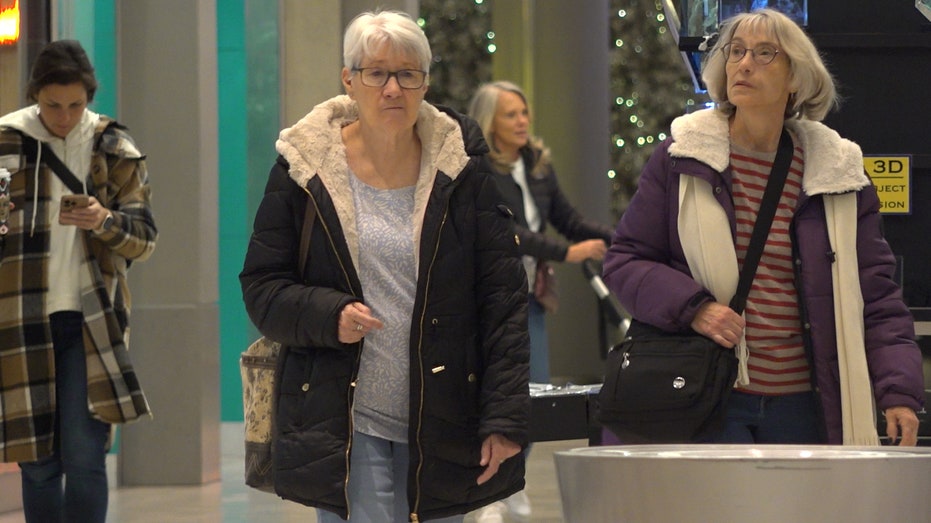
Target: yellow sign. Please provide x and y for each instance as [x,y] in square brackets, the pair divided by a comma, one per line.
[892,176]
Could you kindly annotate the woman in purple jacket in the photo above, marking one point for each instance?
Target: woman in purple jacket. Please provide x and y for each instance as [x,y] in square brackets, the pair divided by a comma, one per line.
[825,335]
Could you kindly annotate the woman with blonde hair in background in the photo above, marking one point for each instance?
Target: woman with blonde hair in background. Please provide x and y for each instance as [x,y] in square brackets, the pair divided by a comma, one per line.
[526,177]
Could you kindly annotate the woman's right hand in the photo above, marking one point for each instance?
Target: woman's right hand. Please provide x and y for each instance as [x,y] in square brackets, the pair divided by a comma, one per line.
[720,323]
[355,321]
[579,252]
[495,450]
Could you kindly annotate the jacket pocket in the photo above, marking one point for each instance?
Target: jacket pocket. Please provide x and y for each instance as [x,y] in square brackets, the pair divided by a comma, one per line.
[453,369]
[295,371]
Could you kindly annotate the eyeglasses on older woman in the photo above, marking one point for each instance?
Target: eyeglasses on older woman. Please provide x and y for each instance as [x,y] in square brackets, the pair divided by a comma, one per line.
[762,54]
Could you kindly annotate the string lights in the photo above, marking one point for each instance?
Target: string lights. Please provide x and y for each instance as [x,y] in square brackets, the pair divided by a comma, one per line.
[649,83]
[650,87]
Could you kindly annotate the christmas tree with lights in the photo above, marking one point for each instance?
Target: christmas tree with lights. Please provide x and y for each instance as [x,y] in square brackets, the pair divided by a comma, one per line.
[650,82]
[651,85]
[462,43]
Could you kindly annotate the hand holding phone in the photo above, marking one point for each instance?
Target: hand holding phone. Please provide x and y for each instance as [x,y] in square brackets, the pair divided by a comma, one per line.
[74,201]
[82,211]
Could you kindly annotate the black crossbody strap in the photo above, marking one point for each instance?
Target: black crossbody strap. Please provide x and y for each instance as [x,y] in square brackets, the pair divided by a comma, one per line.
[31,148]
[777,179]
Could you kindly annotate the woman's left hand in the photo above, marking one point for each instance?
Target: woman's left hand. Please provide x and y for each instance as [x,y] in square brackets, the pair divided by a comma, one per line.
[905,419]
[579,252]
[88,218]
[719,323]
[355,321]
[495,449]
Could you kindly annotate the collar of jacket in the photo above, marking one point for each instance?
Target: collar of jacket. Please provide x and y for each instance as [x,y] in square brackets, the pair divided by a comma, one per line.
[832,164]
[532,157]
[314,147]
[110,137]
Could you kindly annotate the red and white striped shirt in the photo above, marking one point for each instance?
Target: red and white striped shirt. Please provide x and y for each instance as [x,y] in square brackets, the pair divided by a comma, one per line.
[777,361]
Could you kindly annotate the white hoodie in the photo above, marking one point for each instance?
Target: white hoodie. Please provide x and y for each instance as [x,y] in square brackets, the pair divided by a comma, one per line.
[66,249]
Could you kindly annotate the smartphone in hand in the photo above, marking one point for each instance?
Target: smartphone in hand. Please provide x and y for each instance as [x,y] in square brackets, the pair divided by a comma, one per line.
[74,201]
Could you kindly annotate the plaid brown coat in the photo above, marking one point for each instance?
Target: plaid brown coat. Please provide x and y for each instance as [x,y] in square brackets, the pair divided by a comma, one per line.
[119,180]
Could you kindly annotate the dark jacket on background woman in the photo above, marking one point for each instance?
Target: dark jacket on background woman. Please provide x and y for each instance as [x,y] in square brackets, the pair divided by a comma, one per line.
[554,209]
[469,347]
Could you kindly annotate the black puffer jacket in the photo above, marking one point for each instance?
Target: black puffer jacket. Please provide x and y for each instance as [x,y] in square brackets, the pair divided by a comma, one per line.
[554,209]
[469,354]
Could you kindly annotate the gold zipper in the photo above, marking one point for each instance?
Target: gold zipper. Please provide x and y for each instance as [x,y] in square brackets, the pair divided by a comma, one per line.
[352,382]
[423,313]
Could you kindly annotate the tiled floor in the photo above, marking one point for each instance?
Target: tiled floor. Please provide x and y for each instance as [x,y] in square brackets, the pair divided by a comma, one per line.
[230,501]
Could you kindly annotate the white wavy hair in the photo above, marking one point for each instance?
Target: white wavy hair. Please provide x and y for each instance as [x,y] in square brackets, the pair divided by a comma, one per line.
[369,30]
[815,94]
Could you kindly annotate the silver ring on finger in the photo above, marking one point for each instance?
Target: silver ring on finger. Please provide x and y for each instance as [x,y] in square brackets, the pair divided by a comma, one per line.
[359,326]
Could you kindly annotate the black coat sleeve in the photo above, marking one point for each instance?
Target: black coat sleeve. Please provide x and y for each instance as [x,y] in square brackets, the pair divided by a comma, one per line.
[276,298]
[556,210]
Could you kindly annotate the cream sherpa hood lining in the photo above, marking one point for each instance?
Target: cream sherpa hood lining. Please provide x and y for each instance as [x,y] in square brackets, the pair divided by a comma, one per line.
[313,146]
[832,164]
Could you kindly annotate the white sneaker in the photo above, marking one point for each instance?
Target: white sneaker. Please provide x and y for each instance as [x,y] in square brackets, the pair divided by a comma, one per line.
[493,513]
[518,505]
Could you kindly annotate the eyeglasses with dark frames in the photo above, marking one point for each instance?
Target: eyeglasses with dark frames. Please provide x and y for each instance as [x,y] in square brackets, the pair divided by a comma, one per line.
[762,54]
[378,77]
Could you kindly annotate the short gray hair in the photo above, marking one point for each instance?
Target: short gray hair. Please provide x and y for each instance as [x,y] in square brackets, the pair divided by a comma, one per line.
[815,94]
[369,30]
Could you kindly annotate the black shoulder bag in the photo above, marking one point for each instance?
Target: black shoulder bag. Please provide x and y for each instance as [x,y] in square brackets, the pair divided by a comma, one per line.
[673,388]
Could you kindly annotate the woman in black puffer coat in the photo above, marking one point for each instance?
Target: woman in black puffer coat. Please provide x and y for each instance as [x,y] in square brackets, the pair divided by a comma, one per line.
[445,279]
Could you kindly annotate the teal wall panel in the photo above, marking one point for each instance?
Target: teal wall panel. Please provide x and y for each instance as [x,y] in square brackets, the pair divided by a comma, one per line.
[233,224]
[93,23]
[106,101]
[264,101]
[247,39]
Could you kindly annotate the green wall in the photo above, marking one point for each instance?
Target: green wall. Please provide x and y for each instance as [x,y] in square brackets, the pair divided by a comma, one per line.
[105,101]
[233,136]
[248,106]
[93,23]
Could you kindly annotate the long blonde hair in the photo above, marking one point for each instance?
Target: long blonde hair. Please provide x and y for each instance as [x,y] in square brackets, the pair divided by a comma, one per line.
[483,107]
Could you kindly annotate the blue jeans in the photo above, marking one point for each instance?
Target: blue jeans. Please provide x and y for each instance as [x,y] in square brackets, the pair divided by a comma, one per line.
[539,342]
[539,348]
[789,419]
[71,484]
[377,483]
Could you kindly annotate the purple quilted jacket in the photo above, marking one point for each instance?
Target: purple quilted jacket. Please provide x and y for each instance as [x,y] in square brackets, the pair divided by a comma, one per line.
[647,269]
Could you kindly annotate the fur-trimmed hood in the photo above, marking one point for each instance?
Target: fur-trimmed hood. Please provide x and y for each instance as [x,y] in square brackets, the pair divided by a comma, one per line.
[832,164]
[313,146]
